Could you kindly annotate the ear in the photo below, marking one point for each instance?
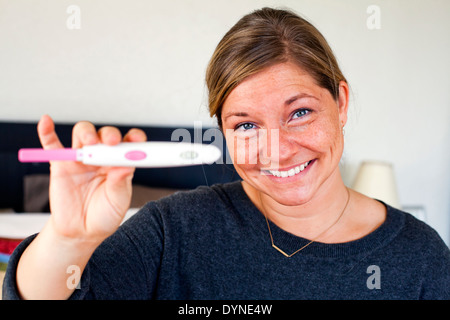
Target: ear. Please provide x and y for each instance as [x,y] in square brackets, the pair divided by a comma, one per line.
[343,102]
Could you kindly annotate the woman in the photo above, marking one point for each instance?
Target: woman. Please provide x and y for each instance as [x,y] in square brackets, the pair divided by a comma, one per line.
[289,230]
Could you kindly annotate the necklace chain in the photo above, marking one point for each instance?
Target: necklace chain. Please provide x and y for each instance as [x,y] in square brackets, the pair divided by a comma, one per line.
[313,240]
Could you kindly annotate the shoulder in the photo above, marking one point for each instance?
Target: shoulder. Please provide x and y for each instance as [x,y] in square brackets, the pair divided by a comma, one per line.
[418,239]
[423,249]
[203,197]
[416,230]
[180,215]
[199,203]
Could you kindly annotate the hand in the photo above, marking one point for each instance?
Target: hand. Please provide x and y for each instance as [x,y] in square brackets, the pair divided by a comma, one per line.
[87,203]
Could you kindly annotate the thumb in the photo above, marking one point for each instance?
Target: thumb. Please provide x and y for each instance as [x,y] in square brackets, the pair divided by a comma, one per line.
[47,135]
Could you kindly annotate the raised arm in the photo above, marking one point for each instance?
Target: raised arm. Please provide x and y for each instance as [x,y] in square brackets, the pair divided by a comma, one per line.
[87,205]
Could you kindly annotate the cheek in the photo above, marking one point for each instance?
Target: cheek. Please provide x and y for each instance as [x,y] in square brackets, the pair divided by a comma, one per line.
[245,160]
[243,151]
[260,149]
[321,137]
[329,139]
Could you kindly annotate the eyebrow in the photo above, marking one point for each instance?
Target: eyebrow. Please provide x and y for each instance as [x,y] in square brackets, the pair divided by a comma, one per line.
[236,114]
[286,103]
[298,97]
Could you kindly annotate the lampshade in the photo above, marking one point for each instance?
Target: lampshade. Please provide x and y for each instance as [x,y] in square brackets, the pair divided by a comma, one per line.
[376,179]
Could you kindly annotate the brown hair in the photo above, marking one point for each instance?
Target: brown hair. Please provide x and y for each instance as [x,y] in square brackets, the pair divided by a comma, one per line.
[262,39]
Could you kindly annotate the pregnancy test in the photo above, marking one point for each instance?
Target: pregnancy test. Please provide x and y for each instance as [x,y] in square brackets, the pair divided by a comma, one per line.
[155,154]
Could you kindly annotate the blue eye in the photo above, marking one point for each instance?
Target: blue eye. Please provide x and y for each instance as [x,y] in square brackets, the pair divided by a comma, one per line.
[300,113]
[245,126]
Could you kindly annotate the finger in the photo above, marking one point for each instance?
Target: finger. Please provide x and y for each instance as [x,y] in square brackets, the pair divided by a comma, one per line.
[84,133]
[135,135]
[47,135]
[109,135]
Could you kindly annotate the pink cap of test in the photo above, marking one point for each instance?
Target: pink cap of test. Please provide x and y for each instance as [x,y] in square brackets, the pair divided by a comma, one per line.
[41,155]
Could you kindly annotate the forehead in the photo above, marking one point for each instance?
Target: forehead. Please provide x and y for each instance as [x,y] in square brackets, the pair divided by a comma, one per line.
[272,86]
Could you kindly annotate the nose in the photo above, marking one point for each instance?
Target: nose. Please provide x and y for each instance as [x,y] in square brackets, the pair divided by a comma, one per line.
[278,146]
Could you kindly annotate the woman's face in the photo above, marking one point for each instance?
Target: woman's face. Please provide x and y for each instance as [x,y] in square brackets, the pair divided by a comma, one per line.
[284,133]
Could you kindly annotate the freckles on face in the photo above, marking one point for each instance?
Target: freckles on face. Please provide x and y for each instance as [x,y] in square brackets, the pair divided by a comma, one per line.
[325,134]
[282,130]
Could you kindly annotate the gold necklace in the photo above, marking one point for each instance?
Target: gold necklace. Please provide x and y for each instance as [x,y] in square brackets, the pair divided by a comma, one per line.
[313,240]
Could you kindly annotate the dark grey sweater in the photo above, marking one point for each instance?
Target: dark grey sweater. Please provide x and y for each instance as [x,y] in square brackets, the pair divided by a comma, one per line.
[213,243]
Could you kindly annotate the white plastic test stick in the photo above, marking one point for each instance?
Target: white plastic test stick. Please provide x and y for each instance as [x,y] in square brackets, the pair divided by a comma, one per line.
[153,154]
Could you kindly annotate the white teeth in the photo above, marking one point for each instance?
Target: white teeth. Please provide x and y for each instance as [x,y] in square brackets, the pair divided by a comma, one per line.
[289,173]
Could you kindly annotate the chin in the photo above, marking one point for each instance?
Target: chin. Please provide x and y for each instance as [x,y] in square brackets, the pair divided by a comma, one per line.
[291,196]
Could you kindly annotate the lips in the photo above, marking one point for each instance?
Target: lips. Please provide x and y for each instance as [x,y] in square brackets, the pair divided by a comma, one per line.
[288,173]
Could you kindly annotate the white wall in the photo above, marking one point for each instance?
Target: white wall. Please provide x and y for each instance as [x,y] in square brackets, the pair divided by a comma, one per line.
[143,62]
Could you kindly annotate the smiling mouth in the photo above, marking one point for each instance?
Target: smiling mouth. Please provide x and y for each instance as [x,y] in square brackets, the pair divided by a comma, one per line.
[288,173]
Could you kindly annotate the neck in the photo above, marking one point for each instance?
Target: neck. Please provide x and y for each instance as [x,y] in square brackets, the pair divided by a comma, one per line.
[307,220]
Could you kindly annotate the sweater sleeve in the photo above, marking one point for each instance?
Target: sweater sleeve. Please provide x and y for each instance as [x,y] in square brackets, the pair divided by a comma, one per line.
[436,284]
[124,266]
[9,289]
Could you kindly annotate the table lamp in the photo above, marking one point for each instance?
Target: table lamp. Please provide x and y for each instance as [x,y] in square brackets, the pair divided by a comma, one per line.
[376,179]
